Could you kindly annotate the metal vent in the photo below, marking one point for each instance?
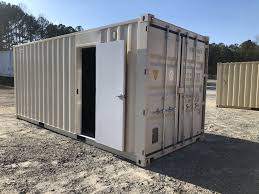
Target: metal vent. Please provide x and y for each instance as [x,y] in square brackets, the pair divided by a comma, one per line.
[154,135]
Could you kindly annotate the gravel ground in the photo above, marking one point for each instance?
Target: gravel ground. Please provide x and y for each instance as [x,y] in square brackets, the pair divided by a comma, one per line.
[35,160]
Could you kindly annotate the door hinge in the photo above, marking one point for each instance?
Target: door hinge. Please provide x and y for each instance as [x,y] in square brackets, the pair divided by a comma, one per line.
[195,41]
[167,32]
[187,38]
[178,36]
[145,71]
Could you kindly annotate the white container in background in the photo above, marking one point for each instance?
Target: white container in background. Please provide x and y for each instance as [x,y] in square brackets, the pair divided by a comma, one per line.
[6,63]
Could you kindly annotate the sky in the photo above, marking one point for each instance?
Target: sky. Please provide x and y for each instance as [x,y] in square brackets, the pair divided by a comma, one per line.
[226,21]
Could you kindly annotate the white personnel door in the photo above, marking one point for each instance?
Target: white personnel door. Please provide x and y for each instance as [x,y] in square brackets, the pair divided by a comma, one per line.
[110,94]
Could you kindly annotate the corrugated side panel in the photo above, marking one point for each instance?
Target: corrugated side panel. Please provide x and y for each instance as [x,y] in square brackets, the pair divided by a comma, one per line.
[238,85]
[45,82]
[48,74]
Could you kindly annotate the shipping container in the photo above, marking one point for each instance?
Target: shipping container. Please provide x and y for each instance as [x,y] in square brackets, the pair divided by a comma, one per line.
[136,88]
[238,85]
[6,63]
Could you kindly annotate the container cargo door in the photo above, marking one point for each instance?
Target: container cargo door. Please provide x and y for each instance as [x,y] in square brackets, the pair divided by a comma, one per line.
[192,79]
[110,94]
[162,99]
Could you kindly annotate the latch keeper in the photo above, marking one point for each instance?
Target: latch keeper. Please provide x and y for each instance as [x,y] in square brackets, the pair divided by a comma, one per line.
[180,90]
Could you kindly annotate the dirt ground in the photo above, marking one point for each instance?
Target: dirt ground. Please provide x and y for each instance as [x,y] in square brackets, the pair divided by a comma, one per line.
[35,160]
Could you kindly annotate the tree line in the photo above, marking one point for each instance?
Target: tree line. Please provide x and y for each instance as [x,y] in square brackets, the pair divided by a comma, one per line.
[247,51]
[17,26]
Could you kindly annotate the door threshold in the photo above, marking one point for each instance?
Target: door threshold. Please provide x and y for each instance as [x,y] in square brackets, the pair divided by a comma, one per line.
[85,136]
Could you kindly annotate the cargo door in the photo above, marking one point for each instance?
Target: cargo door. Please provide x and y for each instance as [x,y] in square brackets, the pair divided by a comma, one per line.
[191,86]
[162,99]
[110,94]
[171,79]
[198,98]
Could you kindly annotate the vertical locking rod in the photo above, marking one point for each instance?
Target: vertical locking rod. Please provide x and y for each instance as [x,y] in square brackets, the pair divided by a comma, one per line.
[184,85]
[165,79]
[178,66]
[194,77]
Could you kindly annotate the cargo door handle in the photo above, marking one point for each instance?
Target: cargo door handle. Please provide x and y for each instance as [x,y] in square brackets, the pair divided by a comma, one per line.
[158,111]
[170,109]
[121,96]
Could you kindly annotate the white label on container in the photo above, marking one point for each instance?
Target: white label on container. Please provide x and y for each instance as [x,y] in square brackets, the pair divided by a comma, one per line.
[171,75]
[155,73]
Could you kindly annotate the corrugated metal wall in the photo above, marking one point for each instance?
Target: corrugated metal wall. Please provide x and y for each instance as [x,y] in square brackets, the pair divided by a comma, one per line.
[49,73]
[45,80]
[238,85]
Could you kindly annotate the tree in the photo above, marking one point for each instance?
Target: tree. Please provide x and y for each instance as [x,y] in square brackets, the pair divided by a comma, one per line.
[16,26]
[247,51]
[32,26]
[43,24]
[51,30]
[79,28]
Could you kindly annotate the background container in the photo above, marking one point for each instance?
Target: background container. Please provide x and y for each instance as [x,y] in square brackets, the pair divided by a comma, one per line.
[238,85]
[6,63]
[135,88]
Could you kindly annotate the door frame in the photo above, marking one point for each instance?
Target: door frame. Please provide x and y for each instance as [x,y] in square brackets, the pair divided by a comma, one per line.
[78,87]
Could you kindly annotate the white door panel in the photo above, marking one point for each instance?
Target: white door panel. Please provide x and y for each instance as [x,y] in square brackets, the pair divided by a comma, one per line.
[110,91]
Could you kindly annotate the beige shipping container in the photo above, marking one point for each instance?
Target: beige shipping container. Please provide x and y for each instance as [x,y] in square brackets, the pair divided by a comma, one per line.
[136,88]
[238,85]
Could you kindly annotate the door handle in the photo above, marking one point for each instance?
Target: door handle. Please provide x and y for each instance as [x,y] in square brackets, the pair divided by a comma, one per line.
[157,111]
[170,109]
[121,96]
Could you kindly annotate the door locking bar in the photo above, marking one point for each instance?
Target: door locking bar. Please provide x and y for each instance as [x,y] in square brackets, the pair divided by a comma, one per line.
[170,109]
[165,85]
[158,111]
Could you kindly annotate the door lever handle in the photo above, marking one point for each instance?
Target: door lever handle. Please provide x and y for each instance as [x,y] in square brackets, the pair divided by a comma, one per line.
[157,111]
[170,109]
[121,96]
